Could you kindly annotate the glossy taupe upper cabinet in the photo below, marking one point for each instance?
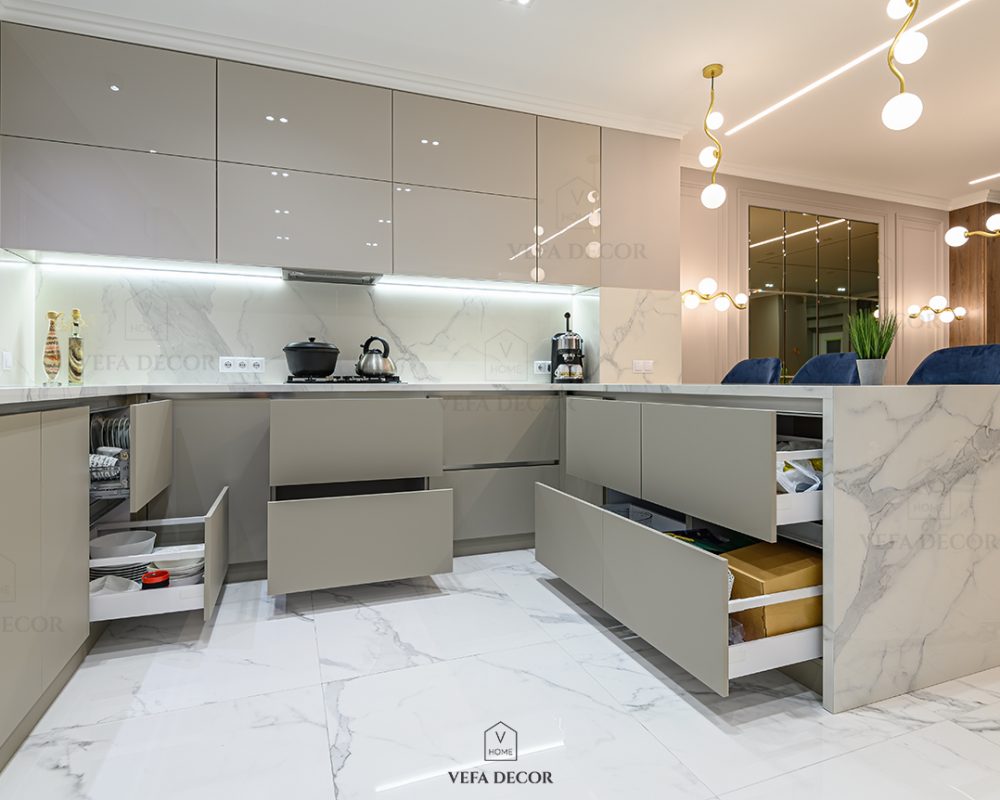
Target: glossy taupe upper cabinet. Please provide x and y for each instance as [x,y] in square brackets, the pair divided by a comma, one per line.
[569,202]
[282,218]
[443,233]
[463,146]
[71,88]
[286,119]
[78,199]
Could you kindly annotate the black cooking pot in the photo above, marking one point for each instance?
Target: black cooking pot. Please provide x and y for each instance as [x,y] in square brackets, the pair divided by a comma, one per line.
[311,359]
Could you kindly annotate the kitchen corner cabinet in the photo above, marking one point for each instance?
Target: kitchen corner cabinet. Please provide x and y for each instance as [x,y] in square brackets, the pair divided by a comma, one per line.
[20,565]
[271,117]
[569,202]
[152,454]
[71,88]
[65,519]
[449,234]
[77,199]
[455,145]
[301,220]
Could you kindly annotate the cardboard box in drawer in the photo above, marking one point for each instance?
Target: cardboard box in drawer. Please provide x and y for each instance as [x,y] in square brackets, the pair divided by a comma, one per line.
[768,568]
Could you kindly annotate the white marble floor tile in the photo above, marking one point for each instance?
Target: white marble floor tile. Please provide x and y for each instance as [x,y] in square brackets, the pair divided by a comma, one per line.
[377,628]
[399,734]
[156,664]
[941,762]
[256,748]
[984,721]
[769,725]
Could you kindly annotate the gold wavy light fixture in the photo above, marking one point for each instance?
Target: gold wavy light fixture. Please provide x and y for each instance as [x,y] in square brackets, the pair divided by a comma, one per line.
[708,292]
[959,235]
[714,195]
[903,110]
[937,308]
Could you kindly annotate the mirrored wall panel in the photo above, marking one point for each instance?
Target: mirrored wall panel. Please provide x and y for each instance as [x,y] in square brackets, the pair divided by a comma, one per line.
[807,274]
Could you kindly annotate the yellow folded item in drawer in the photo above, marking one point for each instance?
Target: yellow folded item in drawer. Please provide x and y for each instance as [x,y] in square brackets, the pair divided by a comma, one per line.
[769,568]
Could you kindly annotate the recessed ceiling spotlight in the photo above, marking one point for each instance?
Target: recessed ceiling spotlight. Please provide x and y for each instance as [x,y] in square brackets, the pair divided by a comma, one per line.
[878,50]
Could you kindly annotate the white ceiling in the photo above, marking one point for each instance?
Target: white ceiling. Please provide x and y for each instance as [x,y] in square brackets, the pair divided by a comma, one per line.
[634,64]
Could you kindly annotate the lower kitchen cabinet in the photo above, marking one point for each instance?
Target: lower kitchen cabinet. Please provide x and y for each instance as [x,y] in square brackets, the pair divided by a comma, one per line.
[671,593]
[65,519]
[151,428]
[151,205]
[327,542]
[20,567]
[495,502]
[502,429]
[569,540]
[603,442]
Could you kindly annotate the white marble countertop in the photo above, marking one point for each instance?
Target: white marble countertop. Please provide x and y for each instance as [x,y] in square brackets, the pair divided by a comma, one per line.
[21,395]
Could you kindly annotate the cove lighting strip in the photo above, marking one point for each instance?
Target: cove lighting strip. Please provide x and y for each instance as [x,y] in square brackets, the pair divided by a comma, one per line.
[841,70]
[984,180]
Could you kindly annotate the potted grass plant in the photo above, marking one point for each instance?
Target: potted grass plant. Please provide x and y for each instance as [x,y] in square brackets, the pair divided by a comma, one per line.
[872,337]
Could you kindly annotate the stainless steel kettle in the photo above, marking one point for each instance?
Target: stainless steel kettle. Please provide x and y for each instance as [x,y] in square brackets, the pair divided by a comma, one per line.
[374,363]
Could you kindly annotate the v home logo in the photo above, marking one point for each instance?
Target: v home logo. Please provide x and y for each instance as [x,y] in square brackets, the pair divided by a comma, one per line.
[500,743]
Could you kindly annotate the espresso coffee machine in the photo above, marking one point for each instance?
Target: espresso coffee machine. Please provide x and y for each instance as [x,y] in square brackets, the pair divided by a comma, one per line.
[567,356]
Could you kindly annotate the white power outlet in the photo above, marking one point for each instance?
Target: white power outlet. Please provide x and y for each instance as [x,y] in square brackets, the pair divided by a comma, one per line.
[227,364]
[8,360]
[257,365]
[642,367]
[241,364]
[543,367]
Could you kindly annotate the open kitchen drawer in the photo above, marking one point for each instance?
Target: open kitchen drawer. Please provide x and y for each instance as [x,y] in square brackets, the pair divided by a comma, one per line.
[672,594]
[214,548]
[326,542]
[718,464]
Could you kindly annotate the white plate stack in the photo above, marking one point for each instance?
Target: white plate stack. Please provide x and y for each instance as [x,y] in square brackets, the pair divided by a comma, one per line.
[183,573]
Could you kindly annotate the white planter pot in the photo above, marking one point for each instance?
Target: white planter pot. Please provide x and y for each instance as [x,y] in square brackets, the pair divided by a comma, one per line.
[871,371]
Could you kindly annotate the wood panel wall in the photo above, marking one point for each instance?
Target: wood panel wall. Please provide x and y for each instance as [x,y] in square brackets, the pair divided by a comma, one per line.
[975,279]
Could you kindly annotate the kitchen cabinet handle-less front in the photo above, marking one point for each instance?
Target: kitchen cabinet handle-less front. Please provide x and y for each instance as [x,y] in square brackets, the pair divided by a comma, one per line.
[152,454]
[569,540]
[327,542]
[718,464]
[603,442]
[281,218]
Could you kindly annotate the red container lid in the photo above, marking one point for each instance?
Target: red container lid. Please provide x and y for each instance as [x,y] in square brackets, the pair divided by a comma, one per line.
[155,579]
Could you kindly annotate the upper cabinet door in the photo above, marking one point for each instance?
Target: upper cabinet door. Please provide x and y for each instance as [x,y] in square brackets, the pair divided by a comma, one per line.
[77,199]
[273,217]
[569,202]
[463,146]
[70,88]
[443,233]
[285,119]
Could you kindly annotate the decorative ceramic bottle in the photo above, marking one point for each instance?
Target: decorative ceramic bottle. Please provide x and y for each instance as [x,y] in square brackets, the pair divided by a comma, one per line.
[52,355]
[76,351]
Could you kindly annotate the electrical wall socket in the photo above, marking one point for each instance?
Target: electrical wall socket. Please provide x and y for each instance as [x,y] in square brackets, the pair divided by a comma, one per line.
[642,367]
[543,367]
[242,364]
[7,360]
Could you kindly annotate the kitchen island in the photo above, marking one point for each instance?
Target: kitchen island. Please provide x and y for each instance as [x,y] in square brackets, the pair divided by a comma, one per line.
[911,556]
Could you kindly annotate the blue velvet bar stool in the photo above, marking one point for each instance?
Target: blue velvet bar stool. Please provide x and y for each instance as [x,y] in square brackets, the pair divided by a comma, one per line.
[978,364]
[755,370]
[829,369]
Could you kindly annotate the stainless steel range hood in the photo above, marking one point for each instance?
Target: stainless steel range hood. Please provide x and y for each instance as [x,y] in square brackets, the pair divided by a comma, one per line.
[331,276]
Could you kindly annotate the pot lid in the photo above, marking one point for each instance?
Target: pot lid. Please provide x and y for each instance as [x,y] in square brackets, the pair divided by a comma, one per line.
[312,344]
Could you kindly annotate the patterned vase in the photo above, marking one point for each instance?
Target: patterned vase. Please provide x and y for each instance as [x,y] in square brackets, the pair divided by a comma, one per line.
[52,356]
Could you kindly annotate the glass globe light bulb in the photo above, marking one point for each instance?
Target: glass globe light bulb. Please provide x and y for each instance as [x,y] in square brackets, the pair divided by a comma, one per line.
[594,250]
[876,313]
[913,311]
[911,47]
[947,317]
[938,302]
[691,301]
[708,286]
[960,312]
[902,111]
[897,9]
[993,223]
[715,121]
[927,315]
[537,274]
[594,219]
[713,196]
[707,157]
[722,303]
[741,299]
[956,237]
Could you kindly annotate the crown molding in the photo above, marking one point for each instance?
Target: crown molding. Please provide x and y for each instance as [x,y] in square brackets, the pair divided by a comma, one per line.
[975,198]
[869,191]
[110,26]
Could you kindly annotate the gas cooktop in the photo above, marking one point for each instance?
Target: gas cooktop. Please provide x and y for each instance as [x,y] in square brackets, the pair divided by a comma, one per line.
[346,379]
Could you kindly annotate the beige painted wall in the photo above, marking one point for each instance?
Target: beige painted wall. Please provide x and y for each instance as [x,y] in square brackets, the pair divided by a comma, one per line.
[913,262]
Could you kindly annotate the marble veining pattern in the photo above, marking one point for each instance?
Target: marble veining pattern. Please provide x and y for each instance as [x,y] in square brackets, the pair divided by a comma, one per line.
[382,690]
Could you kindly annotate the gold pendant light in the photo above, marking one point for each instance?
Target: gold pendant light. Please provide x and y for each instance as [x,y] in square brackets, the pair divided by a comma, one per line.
[903,110]
[714,195]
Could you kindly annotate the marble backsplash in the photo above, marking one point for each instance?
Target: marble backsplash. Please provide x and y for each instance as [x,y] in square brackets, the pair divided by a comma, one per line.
[170,328]
[17,336]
